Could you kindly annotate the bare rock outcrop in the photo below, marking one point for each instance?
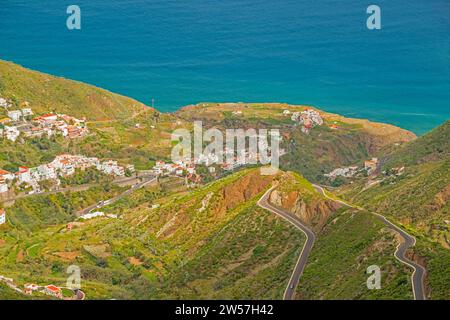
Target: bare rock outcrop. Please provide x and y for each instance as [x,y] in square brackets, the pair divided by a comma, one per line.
[312,210]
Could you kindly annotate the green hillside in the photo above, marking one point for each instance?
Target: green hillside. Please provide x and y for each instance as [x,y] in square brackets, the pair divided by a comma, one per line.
[120,127]
[32,213]
[46,93]
[211,243]
[349,243]
[417,199]
[433,146]
[6,293]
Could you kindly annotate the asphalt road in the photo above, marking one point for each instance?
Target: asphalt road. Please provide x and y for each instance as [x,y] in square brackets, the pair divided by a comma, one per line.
[116,198]
[408,241]
[289,293]
[83,187]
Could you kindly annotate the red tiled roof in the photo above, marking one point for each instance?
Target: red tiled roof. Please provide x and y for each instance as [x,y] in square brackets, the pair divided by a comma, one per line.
[53,288]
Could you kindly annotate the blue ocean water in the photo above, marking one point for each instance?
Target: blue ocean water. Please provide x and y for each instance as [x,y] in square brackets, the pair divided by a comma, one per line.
[297,51]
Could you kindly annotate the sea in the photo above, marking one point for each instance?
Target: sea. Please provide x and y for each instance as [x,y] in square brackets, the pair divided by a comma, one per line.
[174,53]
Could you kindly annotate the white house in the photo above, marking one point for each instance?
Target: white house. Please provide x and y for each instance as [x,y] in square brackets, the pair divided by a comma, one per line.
[27,112]
[67,170]
[48,117]
[64,164]
[46,172]
[190,169]
[15,115]
[347,172]
[131,168]
[11,133]
[2,216]
[111,167]
[3,186]
[24,175]
[31,286]
[6,175]
[371,165]
[92,215]
[3,102]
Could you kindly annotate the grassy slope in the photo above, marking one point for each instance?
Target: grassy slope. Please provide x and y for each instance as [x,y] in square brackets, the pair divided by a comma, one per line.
[251,257]
[433,146]
[418,200]
[180,249]
[413,199]
[111,119]
[30,152]
[297,195]
[347,246]
[347,243]
[47,93]
[6,293]
[324,150]
[39,211]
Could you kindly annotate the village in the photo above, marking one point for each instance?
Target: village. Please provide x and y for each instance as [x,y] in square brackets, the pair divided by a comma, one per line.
[228,161]
[187,166]
[370,167]
[307,119]
[62,166]
[21,122]
[50,290]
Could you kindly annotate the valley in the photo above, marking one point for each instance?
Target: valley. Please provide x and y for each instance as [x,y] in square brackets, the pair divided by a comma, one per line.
[187,229]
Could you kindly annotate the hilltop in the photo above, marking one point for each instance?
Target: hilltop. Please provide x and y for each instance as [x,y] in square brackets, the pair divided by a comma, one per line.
[337,141]
[433,146]
[46,93]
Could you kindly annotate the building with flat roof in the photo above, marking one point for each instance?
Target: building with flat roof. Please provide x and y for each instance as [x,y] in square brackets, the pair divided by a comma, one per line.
[2,216]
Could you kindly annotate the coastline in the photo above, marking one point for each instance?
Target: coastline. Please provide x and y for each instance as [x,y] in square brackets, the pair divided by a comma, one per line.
[326,110]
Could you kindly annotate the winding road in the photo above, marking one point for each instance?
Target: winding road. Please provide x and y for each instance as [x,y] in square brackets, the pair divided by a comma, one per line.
[289,293]
[116,198]
[408,241]
[78,188]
